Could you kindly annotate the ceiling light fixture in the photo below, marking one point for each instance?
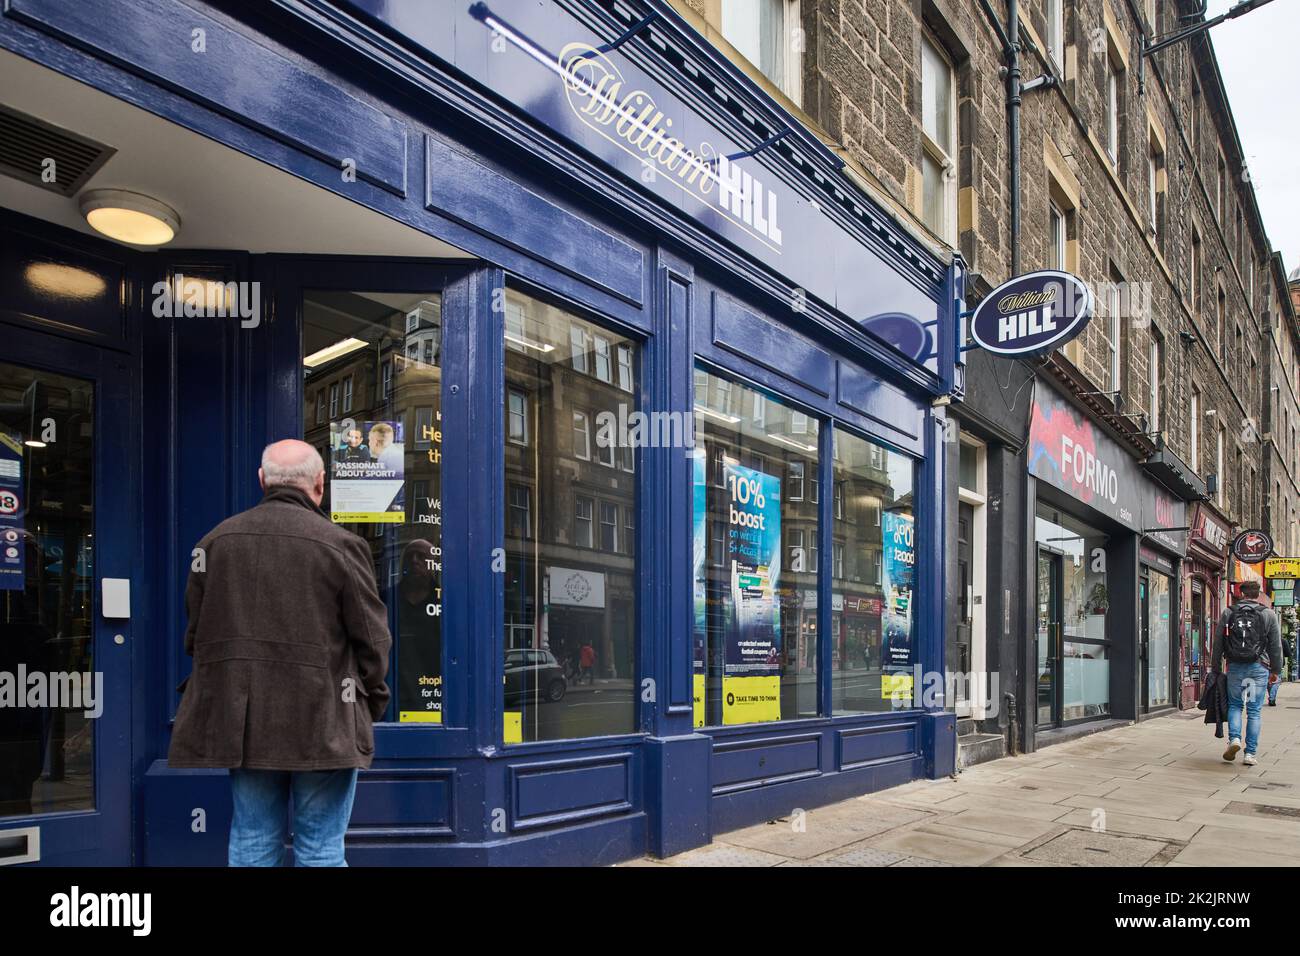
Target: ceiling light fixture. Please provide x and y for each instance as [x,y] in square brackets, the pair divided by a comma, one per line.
[130,217]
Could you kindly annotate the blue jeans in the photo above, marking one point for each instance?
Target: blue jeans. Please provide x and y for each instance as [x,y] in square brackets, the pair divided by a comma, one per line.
[322,806]
[1247,685]
[1272,692]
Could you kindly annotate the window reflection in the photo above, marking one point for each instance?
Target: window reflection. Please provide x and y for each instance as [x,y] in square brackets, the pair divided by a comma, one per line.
[372,408]
[872,588]
[756,556]
[570,588]
[47,750]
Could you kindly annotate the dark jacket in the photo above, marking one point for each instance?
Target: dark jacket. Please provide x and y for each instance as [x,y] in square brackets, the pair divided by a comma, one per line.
[290,644]
[1214,701]
[1273,654]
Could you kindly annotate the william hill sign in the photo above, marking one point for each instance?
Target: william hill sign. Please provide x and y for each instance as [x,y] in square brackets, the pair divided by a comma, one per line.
[1032,314]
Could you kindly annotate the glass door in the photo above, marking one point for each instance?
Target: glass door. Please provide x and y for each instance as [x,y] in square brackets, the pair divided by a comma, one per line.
[1144,640]
[66,541]
[1049,637]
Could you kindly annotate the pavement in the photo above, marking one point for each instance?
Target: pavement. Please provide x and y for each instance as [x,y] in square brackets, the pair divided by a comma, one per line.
[1157,793]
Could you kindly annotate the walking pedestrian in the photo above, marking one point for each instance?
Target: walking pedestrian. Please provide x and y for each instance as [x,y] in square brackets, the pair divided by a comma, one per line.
[1249,637]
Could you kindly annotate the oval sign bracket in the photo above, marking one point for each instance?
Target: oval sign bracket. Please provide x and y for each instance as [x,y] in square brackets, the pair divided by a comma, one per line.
[1032,314]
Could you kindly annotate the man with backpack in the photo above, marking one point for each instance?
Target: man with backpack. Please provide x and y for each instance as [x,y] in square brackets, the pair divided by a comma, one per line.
[1250,638]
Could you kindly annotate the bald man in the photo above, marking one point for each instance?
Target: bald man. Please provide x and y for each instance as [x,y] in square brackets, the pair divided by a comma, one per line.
[290,644]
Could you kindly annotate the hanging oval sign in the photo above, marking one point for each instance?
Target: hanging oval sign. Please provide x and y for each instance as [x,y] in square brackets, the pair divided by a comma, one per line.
[1032,313]
[1253,546]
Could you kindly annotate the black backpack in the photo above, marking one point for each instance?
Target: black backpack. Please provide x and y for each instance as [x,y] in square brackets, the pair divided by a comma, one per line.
[1247,637]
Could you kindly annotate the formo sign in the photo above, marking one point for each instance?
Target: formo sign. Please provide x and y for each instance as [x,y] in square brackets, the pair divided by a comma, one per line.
[1032,314]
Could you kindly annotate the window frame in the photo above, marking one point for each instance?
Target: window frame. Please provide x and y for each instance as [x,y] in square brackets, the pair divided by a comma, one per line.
[946,159]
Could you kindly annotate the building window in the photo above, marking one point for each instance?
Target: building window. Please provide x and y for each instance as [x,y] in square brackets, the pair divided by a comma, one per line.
[1112,110]
[582,522]
[938,142]
[764,32]
[1221,188]
[794,481]
[579,345]
[581,435]
[1220,322]
[320,407]
[1154,361]
[608,527]
[1220,478]
[517,417]
[334,401]
[519,522]
[1194,431]
[1193,115]
[625,368]
[1113,335]
[758,658]
[1155,162]
[1056,235]
[347,394]
[1195,279]
[560,605]
[386,380]
[1056,33]
[837,561]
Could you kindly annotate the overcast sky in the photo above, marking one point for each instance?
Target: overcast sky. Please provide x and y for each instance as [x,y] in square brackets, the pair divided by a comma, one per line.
[1259,57]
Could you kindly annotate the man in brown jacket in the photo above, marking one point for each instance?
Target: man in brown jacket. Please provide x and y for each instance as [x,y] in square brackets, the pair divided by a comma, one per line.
[290,643]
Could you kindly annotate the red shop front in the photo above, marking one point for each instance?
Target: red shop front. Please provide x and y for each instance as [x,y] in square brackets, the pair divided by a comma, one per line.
[1207,552]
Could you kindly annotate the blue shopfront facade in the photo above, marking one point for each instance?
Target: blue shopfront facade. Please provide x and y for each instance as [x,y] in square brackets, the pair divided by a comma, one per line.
[589,160]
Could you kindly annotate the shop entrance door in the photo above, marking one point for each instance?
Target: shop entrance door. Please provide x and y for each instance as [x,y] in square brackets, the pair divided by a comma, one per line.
[1049,639]
[67,550]
[1144,639]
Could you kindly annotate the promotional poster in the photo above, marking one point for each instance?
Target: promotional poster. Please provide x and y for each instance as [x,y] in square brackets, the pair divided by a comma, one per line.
[751,677]
[367,468]
[11,514]
[898,567]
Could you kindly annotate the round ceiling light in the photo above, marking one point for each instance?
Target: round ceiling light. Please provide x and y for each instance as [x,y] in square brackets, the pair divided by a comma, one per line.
[130,217]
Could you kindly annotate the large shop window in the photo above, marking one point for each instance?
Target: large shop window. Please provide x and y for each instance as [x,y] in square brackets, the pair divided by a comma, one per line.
[373,360]
[756,492]
[571,498]
[1073,602]
[873,577]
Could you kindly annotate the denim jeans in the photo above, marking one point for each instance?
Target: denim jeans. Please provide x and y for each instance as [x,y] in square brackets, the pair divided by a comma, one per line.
[1247,685]
[1272,692]
[322,806]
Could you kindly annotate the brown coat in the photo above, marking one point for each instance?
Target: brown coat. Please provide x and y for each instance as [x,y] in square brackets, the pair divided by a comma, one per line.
[290,643]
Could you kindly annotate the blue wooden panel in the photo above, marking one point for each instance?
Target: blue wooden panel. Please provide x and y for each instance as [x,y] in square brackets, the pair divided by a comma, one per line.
[747,763]
[404,803]
[236,75]
[883,404]
[864,745]
[555,791]
[476,195]
[62,288]
[772,346]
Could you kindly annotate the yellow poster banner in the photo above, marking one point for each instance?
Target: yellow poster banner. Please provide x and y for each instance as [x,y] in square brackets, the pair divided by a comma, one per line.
[750,700]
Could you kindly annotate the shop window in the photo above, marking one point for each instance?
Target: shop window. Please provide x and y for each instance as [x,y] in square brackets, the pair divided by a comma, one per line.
[571,614]
[383,482]
[873,643]
[756,634]
[1073,601]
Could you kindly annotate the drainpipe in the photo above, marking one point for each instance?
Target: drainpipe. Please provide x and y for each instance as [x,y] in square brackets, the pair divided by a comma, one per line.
[1013,126]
